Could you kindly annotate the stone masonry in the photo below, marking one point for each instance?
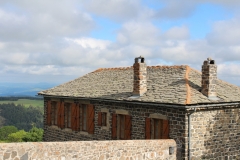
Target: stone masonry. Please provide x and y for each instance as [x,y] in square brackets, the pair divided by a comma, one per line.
[89,150]
[209,79]
[215,134]
[175,116]
[140,77]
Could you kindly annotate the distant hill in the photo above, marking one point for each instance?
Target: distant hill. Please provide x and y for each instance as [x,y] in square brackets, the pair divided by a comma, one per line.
[23,89]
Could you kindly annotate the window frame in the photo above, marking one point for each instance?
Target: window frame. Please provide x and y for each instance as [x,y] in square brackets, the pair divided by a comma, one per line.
[101,119]
[122,127]
[154,131]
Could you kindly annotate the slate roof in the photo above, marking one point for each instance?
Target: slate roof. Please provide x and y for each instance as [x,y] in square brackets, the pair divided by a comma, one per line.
[165,84]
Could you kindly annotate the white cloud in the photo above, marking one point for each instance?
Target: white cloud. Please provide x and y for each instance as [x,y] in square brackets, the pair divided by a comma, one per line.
[177,33]
[225,33]
[90,43]
[40,40]
[139,33]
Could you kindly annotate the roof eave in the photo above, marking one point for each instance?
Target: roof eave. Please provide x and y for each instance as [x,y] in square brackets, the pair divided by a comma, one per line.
[168,105]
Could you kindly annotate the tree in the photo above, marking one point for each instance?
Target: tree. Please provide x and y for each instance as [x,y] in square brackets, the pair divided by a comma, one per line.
[6,130]
[17,137]
[34,135]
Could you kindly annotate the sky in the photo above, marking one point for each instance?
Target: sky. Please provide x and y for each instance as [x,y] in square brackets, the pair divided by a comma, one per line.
[58,41]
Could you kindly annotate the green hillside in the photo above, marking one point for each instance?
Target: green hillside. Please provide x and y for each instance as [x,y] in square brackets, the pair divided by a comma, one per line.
[24,102]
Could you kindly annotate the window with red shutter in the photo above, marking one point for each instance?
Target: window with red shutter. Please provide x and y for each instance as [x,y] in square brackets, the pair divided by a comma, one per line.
[156,128]
[128,125]
[74,116]
[90,122]
[148,128]
[49,112]
[114,126]
[60,115]
[165,134]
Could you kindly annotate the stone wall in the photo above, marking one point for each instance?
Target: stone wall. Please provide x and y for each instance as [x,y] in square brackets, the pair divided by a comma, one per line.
[177,123]
[216,134]
[89,150]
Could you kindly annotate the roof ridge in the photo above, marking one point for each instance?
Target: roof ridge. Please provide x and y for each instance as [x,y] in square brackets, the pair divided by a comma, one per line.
[123,68]
[188,97]
[166,66]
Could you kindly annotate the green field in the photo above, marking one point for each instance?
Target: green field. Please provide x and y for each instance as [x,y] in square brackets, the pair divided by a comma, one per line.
[26,102]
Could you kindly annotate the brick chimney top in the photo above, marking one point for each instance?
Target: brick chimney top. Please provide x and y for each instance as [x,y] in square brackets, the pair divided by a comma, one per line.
[209,79]
[140,77]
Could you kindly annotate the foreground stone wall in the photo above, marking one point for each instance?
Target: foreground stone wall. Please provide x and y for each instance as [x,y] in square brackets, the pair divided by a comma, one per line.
[176,117]
[89,150]
[216,134]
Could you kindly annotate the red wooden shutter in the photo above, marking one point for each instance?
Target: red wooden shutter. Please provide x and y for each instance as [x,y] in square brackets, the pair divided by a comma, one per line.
[49,112]
[165,134]
[77,117]
[80,117]
[59,114]
[148,128]
[128,125]
[90,117]
[114,126]
[100,118]
[60,119]
[73,117]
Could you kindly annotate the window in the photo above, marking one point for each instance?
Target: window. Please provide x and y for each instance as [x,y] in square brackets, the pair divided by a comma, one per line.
[54,113]
[78,117]
[156,128]
[102,118]
[86,118]
[157,123]
[75,116]
[60,114]
[121,126]
[67,115]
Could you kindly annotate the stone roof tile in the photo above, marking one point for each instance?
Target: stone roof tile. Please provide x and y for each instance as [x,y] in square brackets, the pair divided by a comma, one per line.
[165,84]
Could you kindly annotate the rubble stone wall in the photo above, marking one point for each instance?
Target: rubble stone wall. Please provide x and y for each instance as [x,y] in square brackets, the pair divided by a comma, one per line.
[138,113]
[215,134]
[89,150]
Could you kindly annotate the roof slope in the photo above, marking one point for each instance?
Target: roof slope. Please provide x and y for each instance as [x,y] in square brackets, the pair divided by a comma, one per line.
[165,84]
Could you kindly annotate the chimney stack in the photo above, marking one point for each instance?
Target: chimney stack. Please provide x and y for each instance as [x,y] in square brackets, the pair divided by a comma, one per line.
[140,77]
[209,79]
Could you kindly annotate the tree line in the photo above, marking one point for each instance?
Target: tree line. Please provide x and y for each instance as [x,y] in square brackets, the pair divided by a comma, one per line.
[17,98]
[21,117]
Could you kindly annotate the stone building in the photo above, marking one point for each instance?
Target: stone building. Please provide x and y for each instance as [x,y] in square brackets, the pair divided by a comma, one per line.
[197,110]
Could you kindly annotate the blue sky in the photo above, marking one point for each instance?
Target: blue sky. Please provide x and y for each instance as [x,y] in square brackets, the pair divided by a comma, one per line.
[57,41]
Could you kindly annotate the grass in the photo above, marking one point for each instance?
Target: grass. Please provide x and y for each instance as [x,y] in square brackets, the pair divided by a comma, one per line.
[26,102]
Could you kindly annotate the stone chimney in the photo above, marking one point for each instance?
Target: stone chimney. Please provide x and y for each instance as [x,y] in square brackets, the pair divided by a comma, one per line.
[140,77]
[209,79]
